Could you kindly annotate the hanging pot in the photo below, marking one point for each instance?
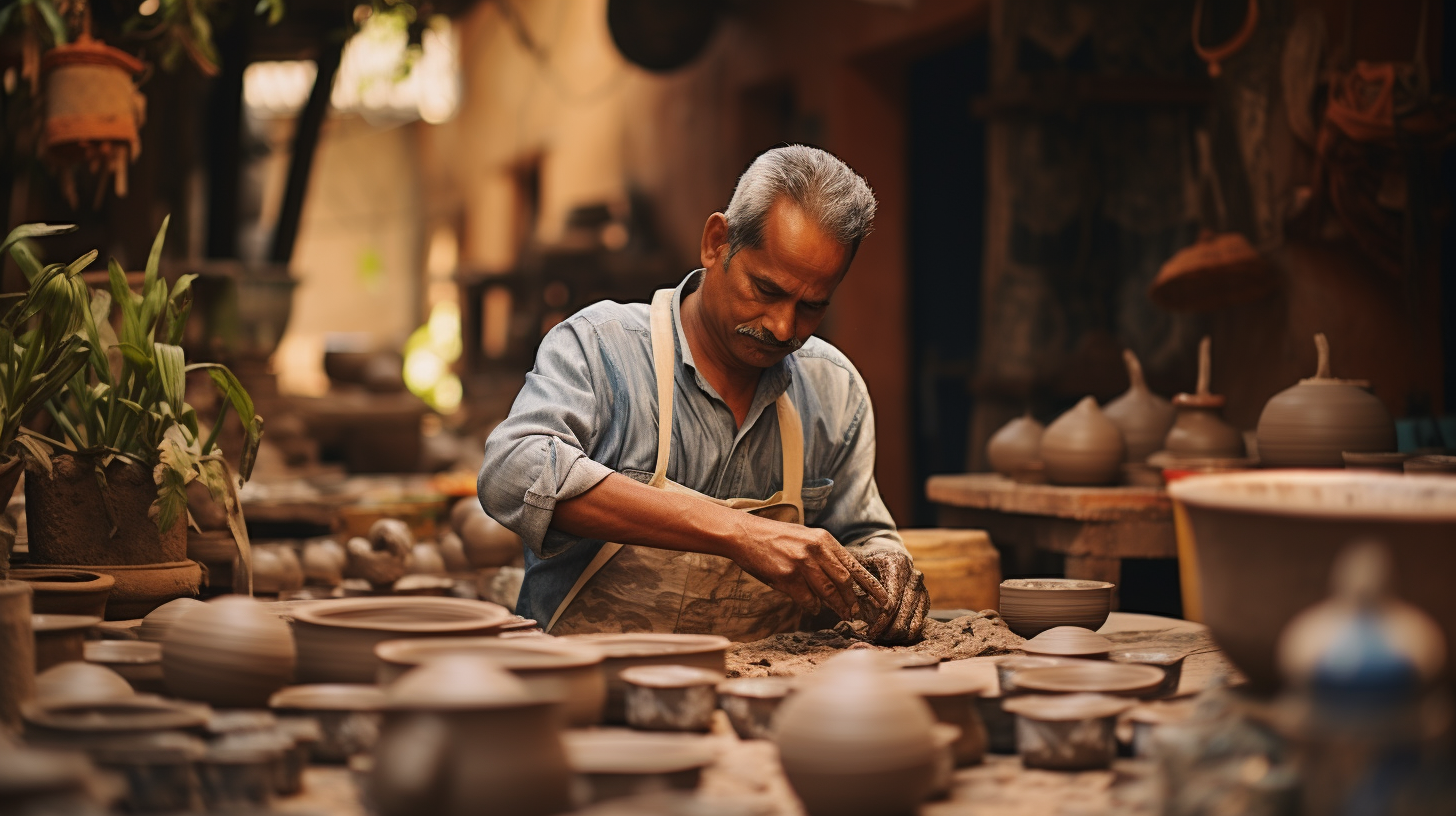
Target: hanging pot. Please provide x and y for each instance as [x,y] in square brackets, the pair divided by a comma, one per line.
[92,112]
[1219,270]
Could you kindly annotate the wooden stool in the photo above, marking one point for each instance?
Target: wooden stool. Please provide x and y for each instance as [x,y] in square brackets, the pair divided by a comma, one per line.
[962,567]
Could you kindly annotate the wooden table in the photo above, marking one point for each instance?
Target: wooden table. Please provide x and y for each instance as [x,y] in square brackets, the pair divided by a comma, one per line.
[1094,528]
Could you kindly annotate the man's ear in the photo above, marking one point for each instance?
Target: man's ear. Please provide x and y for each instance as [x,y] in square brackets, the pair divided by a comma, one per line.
[714,248]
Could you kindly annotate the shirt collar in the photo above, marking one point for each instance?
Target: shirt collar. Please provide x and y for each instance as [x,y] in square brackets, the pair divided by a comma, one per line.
[774,380]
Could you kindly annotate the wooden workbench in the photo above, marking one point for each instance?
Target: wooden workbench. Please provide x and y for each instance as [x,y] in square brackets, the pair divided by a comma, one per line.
[1094,528]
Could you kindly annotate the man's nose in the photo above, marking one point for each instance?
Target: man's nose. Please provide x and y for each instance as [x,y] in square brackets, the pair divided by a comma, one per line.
[779,321]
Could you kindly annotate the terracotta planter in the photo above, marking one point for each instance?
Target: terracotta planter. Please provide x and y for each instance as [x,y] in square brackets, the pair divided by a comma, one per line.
[67,591]
[92,109]
[70,527]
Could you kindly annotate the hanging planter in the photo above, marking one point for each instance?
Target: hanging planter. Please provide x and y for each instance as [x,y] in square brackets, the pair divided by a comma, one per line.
[92,113]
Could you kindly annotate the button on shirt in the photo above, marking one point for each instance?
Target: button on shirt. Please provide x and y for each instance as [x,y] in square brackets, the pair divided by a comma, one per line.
[589,408]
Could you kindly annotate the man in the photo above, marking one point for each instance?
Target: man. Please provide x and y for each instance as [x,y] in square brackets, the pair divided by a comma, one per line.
[642,467]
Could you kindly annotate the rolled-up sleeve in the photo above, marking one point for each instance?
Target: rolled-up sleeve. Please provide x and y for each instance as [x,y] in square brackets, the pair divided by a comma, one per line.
[539,455]
[855,514]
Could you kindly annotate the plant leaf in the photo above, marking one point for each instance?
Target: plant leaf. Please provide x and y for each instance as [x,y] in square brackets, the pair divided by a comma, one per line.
[154,258]
[36,453]
[172,372]
[57,26]
[217,476]
[28,231]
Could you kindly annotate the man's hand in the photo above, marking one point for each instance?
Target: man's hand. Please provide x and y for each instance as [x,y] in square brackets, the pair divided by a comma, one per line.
[808,565]
[903,618]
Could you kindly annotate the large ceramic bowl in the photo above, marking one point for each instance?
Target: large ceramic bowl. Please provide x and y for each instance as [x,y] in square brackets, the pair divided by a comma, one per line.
[336,638]
[624,651]
[1265,543]
[1031,606]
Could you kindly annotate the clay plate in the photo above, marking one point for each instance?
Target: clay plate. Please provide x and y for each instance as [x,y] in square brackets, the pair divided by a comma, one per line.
[1121,679]
[1068,641]
[329,697]
[671,677]
[336,638]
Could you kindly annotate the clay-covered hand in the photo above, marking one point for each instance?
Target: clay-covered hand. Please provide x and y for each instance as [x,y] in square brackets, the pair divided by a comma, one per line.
[903,618]
[808,565]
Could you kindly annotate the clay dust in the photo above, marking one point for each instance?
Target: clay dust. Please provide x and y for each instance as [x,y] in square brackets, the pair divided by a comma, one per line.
[796,653]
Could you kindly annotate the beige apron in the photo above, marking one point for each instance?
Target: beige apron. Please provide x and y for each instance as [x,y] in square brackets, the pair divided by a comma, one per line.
[629,588]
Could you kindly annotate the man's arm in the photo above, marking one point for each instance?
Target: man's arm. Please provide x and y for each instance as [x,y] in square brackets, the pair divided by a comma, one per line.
[805,563]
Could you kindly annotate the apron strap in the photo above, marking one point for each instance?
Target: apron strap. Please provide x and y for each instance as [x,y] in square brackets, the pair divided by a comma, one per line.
[664,357]
[791,441]
[603,555]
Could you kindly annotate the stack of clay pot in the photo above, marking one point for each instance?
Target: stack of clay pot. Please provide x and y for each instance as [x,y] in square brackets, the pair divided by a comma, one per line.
[1199,432]
[1314,422]
[1082,447]
[486,543]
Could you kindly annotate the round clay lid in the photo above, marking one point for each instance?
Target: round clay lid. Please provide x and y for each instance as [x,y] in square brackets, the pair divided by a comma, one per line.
[1100,676]
[1067,707]
[670,677]
[1147,657]
[1068,641]
[651,644]
[123,651]
[516,654]
[75,682]
[762,688]
[62,623]
[136,713]
[329,697]
[461,682]
[620,751]
[412,613]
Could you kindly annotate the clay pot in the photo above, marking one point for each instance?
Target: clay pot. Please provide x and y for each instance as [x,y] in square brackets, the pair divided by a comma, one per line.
[671,698]
[1310,424]
[59,638]
[1169,663]
[1069,641]
[1199,431]
[66,591]
[336,638]
[464,510]
[139,662]
[267,572]
[1015,446]
[624,651]
[383,557]
[231,652]
[460,731]
[1217,271]
[347,714]
[1266,542]
[953,696]
[323,563]
[553,667]
[1082,447]
[614,764]
[17,651]
[488,544]
[79,682]
[1031,606]
[751,702]
[855,742]
[291,576]
[1099,676]
[452,549]
[159,621]
[1067,732]
[426,560]
[1143,417]
[961,567]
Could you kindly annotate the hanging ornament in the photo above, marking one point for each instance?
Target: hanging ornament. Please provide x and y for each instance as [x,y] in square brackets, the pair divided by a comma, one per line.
[92,113]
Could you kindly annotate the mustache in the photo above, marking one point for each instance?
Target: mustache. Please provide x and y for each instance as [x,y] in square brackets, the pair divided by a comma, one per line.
[766,337]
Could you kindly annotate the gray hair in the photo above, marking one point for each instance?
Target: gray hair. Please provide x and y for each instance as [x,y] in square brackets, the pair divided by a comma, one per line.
[827,190]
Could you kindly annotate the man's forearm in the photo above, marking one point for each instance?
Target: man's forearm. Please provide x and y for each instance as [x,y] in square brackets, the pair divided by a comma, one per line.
[620,509]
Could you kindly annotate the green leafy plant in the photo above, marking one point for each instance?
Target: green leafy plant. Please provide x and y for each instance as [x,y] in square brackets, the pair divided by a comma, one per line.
[41,26]
[184,28]
[128,402]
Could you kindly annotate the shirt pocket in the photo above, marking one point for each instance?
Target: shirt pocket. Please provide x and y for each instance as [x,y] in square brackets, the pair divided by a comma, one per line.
[816,494]
[643,476]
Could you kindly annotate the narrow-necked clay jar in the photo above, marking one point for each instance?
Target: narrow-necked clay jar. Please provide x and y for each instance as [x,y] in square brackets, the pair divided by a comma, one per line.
[1143,417]
[460,733]
[1313,422]
[231,652]
[1199,431]
[1082,447]
[1016,445]
[856,742]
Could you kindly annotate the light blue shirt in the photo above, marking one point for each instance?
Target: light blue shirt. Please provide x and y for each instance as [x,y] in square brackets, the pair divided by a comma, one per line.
[589,408]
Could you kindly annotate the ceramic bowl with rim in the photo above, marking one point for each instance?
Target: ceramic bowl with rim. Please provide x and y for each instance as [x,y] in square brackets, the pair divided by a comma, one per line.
[751,702]
[1067,732]
[625,650]
[66,591]
[336,638]
[1031,606]
[75,723]
[348,716]
[558,668]
[671,698]
[1095,676]
[612,763]
[138,661]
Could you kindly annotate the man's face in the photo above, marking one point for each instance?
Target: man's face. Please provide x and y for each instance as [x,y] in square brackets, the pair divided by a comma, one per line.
[766,302]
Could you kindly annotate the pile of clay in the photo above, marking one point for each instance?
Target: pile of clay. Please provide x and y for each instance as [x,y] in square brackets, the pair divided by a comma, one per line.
[796,653]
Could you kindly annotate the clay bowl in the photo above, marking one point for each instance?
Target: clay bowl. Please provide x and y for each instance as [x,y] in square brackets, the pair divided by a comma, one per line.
[155,625]
[671,698]
[1031,606]
[60,638]
[1069,641]
[953,697]
[557,668]
[77,682]
[336,638]
[231,652]
[626,650]
[75,723]
[66,591]
[751,702]
[348,716]
[1067,732]
[1169,663]
[613,763]
[138,661]
[1008,667]
[1265,543]
[1100,677]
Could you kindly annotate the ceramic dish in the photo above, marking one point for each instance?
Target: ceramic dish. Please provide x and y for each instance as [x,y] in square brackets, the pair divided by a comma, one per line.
[1100,676]
[650,649]
[1031,606]
[336,638]
[1068,641]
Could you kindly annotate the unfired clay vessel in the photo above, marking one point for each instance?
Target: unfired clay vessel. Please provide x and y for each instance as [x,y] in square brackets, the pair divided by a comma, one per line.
[66,591]
[347,714]
[383,557]
[1170,663]
[461,734]
[79,682]
[232,652]
[267,571]
[855,742]
[60,638]
[159,621]
[624,650]
[487,543]
[670,698]
[1310,424]
[751,702]
[953,697]
[1143,417]
[452,549]
[323,563]
[1082,447]
[614,763]
[1008,667]
[464,510]
[1199,431]
[1068,641]
[1016,445]
[1100,676]
[1067,732]
[426,560]
[1031,606]
[138,661]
